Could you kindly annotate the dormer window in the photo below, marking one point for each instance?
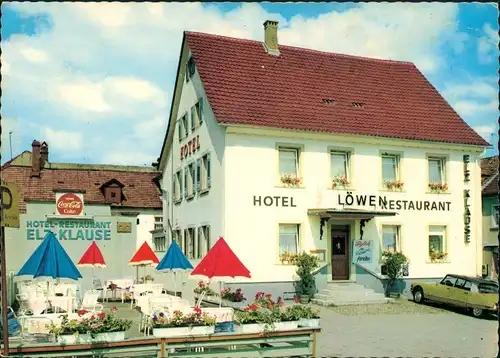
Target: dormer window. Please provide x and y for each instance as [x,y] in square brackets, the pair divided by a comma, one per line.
[112,191]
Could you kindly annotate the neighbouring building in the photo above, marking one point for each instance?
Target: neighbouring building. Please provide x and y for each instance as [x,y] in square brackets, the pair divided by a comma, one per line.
[116,206]
[489,167]
[281,149]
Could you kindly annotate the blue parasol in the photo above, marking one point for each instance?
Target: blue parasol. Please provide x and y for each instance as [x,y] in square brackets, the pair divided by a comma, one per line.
[174,260]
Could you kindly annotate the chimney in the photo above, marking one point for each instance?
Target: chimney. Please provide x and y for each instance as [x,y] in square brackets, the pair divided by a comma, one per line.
[271,37]
[44,154]
[35,158]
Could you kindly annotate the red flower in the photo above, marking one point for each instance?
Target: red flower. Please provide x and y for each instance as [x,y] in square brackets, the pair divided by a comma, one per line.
[197,309]
[82,312]
[114,309]
[296,299]
[268,296]
[92,317]
[101,315]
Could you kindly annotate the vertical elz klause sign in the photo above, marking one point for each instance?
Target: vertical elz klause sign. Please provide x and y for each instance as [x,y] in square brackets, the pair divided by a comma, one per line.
[467,214]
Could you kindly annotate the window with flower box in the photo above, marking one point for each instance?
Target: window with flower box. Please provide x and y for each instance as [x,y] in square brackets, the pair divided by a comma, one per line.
[339,169]
[289,165]
[438,250]
[391,175]
[288,239]
[437,174]
[391,237]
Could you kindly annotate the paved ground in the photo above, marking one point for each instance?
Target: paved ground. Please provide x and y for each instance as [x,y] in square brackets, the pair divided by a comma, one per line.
[392,330]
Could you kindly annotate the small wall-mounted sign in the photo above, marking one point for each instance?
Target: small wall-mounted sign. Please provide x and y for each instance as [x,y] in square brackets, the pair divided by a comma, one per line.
[363,252]
[320,254]
[283,201]
[69,204]
[124,227]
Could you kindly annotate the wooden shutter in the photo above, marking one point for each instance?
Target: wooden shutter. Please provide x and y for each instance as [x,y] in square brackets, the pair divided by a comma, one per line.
[181,187]
[193,124]
[200,111]
[208,170]
[193,177]
[180,130]
[198,174]
[186,182]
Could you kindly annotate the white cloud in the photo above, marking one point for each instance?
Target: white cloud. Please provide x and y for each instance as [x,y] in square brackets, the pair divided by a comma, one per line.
[486,131]
[487,46]
[107,67]
[62,140]
[478,96]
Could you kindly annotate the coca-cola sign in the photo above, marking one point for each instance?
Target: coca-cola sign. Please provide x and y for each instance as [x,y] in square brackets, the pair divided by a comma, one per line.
[69,204]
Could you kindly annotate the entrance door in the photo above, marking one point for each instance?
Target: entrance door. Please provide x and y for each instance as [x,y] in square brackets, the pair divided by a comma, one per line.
[340,255]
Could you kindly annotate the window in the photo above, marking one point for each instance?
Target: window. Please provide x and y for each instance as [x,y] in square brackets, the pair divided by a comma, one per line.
[199,243]
[436,171]
[206,240]
[177,187]
[390,238]
[205,172]
[460,283]
[183,129]
[448,281]
[289,162]
[437,239]
[197,114]
[390,168]
[158,222]
[289,238]
[495,215]
[190,177]
[185,244]
[190,239]
[160,243]
[339,164]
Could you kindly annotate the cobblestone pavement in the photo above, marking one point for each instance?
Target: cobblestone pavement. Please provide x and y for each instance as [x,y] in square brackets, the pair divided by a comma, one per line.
[438,333]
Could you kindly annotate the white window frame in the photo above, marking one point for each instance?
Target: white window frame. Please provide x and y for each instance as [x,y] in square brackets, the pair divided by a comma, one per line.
[297,237]
[397,169]
[494,212]
[347,158]
[282,149]
[158,222]
[443,169]
[191,186]
[398,237]
[442,231]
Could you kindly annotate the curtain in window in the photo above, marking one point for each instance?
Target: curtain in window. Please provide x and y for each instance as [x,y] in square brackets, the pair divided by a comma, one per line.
[436,243]
[288,239]
[435,171]
[288,162]
[339,164]
[389,166]
[389,238]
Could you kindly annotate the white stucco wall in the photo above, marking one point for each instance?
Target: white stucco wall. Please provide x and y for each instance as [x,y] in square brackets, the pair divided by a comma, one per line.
[253,231]
[146,224]
[207,208]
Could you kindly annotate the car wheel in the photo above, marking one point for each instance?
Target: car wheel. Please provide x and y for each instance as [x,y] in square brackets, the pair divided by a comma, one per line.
[418,295]
[477,312]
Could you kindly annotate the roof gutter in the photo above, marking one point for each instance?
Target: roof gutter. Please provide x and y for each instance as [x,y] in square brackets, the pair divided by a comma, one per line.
[165,140]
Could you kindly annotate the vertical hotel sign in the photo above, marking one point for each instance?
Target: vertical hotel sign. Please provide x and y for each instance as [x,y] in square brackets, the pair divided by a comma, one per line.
[467,214]
[69,204]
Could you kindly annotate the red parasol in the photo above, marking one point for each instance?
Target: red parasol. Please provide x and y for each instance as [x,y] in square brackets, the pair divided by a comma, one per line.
[92,257]
[144,256]
[220,262]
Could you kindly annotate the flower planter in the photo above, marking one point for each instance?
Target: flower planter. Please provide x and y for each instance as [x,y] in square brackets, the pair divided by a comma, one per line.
[309,322]
[72,339]
[286,326]
[183,331]
[109,337]
[250,327]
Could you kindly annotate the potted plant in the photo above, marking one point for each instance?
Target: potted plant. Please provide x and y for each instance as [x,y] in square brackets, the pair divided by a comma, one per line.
[70,331]
[290,180]
[438,188]
[393,261]
[252,319]
[394,185]
[305,286]
[264,314]
[236,296]
[304,314]
[339,181]
[182,324]
[437,256]
[204,289]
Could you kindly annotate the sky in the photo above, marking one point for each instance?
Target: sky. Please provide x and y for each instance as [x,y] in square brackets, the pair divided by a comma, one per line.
[95,80]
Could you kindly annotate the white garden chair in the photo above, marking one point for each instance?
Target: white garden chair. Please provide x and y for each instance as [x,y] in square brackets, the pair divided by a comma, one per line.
[90,303]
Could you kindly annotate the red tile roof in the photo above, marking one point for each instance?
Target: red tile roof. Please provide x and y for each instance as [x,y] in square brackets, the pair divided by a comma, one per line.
[140,190]
[490,185]
[244,85]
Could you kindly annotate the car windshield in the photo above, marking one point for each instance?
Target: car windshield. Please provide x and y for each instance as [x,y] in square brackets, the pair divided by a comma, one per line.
[488,288]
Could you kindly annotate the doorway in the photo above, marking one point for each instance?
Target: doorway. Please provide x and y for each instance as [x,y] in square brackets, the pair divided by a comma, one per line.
[340,253]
